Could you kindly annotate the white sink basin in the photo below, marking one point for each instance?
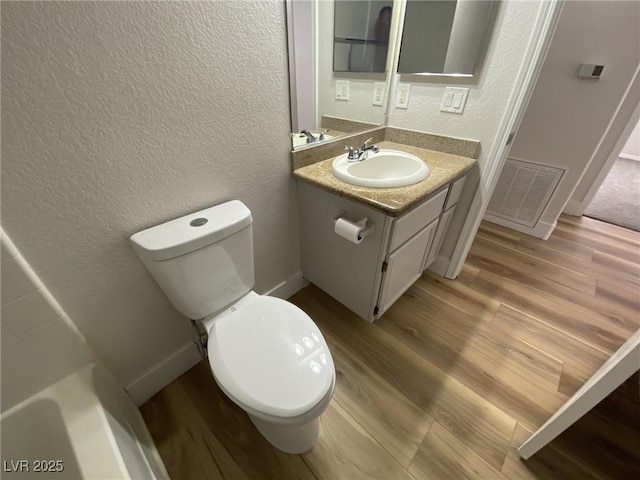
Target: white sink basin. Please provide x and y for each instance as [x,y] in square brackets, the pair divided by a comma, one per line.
[385,169]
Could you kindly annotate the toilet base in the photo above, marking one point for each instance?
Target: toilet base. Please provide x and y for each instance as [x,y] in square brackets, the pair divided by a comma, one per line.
[289,438]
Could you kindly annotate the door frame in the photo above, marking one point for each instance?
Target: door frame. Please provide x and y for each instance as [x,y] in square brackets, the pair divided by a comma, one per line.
[543,32]
[630,98]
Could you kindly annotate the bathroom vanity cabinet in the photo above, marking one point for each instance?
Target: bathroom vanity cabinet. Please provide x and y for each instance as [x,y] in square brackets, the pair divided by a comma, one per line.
[370,276]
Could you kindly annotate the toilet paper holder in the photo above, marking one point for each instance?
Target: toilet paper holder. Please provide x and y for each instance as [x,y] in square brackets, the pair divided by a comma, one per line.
[367,227]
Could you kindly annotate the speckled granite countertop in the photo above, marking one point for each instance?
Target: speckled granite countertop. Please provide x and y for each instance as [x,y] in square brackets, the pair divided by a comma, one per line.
[444,168]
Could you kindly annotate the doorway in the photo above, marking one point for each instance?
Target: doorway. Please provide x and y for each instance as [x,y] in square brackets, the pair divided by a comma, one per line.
[617,201]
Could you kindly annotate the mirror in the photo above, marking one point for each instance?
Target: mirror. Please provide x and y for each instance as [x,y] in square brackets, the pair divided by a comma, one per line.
[361,35]
[443,37]
[329,39]
[313,82]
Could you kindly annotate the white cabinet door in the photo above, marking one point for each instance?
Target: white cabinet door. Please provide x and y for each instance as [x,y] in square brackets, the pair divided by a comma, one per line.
[454,192]
[412,222]
[445,220]
[404,266]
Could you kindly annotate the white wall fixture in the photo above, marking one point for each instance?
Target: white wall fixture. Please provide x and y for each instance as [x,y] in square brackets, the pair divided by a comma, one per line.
[454,99]
[521,194]
[588,70]
[342,90]
[378,93]
[404,89]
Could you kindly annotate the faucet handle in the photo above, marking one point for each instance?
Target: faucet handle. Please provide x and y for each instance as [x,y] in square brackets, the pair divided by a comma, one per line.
[366,143]
[354,153]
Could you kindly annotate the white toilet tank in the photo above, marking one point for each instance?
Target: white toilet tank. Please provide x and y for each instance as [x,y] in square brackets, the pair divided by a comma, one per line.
[203,261]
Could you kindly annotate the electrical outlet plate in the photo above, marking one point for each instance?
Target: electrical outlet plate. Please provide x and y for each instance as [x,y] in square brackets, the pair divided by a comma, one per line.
[402,100]
[342,90]
[454,99]
[378,93]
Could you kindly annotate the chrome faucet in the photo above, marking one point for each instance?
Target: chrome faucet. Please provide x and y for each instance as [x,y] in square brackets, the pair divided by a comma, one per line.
[311,138]
[366,147]
[359,154]
[309,135]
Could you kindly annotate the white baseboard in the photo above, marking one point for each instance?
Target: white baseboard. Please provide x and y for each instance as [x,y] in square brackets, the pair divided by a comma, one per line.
[542,230]
[289,287]
[440,266]
[628,156]
[167,370]
[574,207]
[163,373]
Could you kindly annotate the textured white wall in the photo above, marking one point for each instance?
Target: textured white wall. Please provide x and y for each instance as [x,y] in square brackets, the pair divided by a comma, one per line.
[489,93]
[117,116]
[568,115]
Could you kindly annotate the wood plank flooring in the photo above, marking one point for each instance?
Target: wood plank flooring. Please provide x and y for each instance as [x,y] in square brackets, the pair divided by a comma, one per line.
[453,378]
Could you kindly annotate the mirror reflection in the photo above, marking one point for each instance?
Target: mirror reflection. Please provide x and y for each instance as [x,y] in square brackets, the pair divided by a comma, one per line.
[326,104]
[361,35]
[338,50]
[443,37]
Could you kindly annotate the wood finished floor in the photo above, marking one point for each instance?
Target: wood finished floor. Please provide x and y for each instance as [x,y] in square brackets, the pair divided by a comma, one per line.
[453,378]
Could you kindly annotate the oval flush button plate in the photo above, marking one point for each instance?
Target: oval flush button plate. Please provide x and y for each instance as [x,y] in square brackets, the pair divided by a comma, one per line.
[198,222]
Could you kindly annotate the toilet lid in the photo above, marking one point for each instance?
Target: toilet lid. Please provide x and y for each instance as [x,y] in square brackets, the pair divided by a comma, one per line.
[270,356]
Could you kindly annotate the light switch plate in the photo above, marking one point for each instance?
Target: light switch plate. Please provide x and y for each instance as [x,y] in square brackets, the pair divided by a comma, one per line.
[454,99]
[378,93]
[342,90]
[404,89]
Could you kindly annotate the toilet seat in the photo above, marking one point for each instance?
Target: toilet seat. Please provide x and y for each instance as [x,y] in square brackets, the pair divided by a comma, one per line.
[267,355]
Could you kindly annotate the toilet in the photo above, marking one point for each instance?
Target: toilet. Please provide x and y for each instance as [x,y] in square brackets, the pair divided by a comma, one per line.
[265,353]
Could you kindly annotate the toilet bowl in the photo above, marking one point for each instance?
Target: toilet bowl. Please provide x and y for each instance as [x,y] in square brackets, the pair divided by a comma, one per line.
[272,361]
[266,354]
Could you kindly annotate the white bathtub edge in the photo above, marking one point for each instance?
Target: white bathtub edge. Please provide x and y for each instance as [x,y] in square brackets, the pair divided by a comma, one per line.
[90,403]
[163,373]
[143,434]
